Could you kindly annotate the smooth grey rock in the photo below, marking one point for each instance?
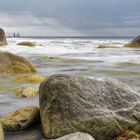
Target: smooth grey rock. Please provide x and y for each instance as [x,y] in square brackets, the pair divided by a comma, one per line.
[100,107]
[77,136]
[3,40]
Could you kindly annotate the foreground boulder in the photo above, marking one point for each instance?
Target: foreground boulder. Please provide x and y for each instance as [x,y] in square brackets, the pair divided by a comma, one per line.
[20,119]
[26,92]
[1,132]
[134,43]
[28,44]
[77,136]
[3,40]
[100,107]
[10,63]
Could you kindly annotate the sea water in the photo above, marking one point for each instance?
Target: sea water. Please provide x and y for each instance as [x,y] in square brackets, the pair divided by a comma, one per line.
[70,56]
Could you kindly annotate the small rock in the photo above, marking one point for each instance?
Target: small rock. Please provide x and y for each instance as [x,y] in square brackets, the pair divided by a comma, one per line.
[26,92]
[77,136]
[104,46]
[30,79]
[28,44]
[20,119]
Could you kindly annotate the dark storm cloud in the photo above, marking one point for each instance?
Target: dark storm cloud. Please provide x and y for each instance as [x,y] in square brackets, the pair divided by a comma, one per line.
[72,17]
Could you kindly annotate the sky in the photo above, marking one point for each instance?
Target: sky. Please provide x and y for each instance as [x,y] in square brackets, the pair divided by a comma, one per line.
[71,17]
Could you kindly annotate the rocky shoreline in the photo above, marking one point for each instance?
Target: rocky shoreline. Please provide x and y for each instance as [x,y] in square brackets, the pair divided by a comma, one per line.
[73,107]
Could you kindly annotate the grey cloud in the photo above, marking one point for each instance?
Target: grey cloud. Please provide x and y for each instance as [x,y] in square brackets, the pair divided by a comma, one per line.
[85,17]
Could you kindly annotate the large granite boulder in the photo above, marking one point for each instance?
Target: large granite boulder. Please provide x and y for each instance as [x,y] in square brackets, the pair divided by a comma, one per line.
[3,40]
[77,136]
[101,107]
[135,43]
[10,63]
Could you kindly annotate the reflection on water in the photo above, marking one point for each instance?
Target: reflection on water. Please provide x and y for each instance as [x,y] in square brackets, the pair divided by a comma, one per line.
[68,56]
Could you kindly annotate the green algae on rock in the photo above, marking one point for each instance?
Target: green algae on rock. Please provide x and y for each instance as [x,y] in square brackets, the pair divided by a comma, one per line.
[30,79]
[128,135]
[20,119]
[10,63]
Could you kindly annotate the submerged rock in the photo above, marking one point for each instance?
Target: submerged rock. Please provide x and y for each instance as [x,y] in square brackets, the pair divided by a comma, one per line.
[10,63]
[77,136]
[105,46]
[30,79]
[28,44]
[100,107]
[1,132]
[26,92]
[3,40]
[134,43]
[20,119]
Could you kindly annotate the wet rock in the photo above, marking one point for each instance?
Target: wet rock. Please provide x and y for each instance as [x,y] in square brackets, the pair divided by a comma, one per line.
[26,92]
[28,44]
[77,136]
[30,79]
[1,132]
[10,63]
[3,40]
[20,119]
[105,46]
[101,107]
[134,43]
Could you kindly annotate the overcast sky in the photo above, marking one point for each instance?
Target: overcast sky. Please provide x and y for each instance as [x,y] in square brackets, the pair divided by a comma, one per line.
[71,17]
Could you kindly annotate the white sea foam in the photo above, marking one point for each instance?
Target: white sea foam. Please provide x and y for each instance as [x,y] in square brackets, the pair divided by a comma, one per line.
[76,48]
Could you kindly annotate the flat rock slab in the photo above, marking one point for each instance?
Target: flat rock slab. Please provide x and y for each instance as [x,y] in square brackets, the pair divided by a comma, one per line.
[77,136]
[100,107]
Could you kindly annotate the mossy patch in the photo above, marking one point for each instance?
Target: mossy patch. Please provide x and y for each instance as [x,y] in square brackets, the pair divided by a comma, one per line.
[121,72]
[128,64]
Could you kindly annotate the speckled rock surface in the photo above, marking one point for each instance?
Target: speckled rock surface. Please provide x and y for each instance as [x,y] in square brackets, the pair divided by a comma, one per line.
[100,107]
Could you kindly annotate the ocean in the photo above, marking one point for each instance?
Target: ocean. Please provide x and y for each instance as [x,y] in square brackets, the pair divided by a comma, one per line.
[71,55]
